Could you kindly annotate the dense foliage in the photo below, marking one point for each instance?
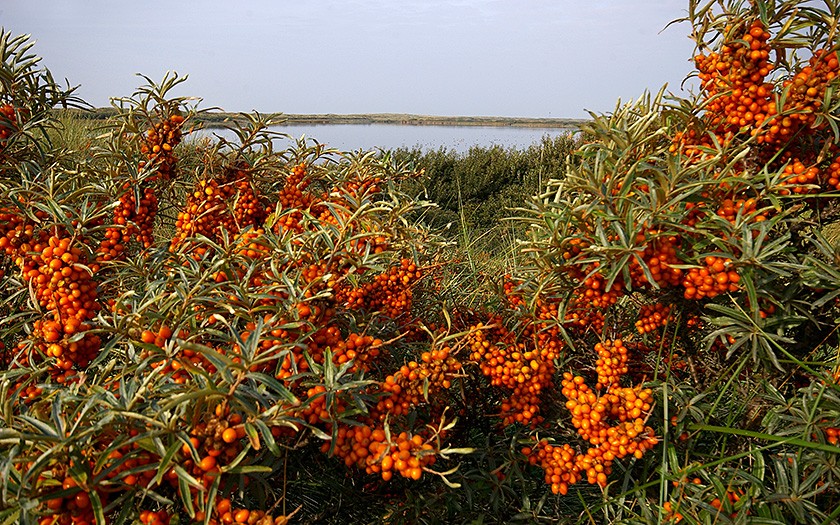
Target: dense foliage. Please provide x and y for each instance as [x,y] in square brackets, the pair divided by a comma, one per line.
[476,190]
[221,331]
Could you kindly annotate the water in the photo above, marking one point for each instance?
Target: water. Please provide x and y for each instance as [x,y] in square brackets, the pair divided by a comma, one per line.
[352,137]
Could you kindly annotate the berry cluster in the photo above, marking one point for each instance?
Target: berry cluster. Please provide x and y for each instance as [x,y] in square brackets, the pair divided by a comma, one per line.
[150,517]
[611,364]
[292,199]
[132,219]
[652,317]
[65,290]
[733,81]
[585,307]
[524,366]
[803,97]
[227,514]
[389,292]
[730,209]
[216,207]
[416,383]
[73,509]
[359,348]
[8,122]
[244,199]
[660,255]
[216,440]
[833,174]
[203,215]
[159,144]
[369,448]
[802,179]
[613,422]
[716,277]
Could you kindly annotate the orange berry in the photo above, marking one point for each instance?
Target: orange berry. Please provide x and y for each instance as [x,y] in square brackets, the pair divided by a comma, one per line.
[229,435]
[207,463]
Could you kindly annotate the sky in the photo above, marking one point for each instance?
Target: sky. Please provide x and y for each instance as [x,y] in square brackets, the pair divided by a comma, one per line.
[515,58]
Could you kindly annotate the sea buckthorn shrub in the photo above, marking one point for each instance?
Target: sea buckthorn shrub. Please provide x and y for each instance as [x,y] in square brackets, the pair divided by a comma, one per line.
[173,331]
[221,330]
[694,232]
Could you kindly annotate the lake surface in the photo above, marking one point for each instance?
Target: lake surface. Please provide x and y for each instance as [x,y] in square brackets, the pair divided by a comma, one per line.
[352,137]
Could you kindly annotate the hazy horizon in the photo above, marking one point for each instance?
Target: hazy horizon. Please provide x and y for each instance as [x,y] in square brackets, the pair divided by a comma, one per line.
[465,58]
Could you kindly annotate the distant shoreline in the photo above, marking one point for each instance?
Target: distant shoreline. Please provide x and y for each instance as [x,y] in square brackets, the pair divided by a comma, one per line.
[218,119]
[406,119]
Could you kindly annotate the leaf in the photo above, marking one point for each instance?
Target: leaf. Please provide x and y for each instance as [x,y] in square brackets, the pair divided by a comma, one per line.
[274,386]
[165,461]
[96,505]
[253,436]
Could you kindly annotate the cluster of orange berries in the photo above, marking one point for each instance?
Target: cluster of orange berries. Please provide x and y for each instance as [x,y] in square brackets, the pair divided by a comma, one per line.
[217,440]
[594,291]
[559,464]
[293,198]
[671,514]
[716,277]
[369,448]
[417,382]
[802,179]
[660,255]
[73,509]
[611,364]
[158,338]
[690,143]
[730,208]
[179,366]
[202,216]
[733,81]
[248,243]
[574,247]
[733,496]
[513,296]
[277,342]
[247,208]
[130,471]
[804,95]
[591,413]
[227,514]
[363,185]
[14,232]
[362,349]
[159,144]
[65,289]
[613,422]
[695,212]
[526,371]
[133,220]
[653,316]
[407,455]
[585,308]
[214,442]
[833,174]
[317,277]
[213,208]
[8,121]
[135,217]
[315,410]
[151,517]
[389,292]
[564,467]
[282,357]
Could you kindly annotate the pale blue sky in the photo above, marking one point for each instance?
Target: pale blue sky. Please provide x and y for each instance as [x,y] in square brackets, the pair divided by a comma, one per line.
[469,57]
